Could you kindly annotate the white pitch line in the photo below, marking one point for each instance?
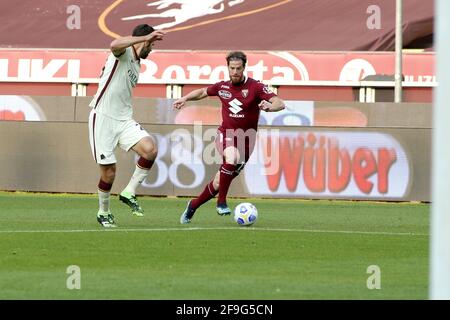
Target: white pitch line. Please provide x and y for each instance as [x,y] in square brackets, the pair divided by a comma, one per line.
[218,228]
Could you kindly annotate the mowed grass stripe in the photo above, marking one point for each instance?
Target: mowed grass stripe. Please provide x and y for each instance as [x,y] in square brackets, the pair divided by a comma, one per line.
[247,229]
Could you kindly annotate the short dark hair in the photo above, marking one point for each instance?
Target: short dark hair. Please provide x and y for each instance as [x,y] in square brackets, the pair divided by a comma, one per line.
[142,30]
[237,55]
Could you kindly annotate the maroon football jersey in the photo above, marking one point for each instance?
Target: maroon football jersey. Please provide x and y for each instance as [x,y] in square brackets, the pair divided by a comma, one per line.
[240,102]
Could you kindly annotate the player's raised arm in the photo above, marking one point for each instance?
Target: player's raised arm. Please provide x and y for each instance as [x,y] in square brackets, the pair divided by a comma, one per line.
[119,45]
[191,96]
[274,104]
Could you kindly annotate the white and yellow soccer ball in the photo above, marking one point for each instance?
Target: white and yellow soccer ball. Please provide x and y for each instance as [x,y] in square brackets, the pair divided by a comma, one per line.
[245,214]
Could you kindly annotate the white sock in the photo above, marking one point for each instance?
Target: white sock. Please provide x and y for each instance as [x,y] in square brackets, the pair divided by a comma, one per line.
[103,201]
[138,177]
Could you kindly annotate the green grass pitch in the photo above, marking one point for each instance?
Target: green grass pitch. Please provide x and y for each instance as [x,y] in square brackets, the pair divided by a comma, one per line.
[295,250]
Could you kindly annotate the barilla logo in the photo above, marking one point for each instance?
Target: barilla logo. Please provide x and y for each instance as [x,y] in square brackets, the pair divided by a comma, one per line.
[356,164]
[224,94]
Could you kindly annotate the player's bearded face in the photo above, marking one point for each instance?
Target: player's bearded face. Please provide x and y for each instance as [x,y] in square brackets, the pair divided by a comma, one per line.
[236,71]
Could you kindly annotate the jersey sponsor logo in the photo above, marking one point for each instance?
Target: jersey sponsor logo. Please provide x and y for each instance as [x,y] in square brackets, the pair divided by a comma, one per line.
[133,77]
[224,86]
[245,93]
[235,108]
[225,94]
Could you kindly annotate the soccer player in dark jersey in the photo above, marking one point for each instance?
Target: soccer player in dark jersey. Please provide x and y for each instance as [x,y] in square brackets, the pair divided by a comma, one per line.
[242,99]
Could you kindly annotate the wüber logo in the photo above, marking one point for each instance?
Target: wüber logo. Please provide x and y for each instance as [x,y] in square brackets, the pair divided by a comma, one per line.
[355,164]
[235,108]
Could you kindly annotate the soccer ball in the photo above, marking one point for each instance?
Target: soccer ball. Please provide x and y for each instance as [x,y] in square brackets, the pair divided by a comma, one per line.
[245,214]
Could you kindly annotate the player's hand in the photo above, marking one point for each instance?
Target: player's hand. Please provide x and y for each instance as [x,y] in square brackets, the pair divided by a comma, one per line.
[156,35]
[265,105]
[180,103]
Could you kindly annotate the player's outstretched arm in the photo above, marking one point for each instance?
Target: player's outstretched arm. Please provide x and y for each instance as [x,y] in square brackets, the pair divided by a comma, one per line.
[273,105]
[191,96]
[119,45]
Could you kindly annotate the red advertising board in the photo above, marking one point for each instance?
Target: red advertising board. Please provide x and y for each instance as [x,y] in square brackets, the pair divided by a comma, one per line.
[277,68]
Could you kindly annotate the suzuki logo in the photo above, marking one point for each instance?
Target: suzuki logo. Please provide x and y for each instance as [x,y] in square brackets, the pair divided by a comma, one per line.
[235,106]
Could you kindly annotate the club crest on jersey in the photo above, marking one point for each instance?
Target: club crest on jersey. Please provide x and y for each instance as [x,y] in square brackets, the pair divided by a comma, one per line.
[245,93]
[267,90]
[225,94]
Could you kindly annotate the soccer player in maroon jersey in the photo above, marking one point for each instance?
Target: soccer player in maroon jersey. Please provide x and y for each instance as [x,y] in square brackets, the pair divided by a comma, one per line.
[242,99]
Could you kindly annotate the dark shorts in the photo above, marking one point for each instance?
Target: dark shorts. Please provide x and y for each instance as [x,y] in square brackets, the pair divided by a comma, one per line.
[243,141]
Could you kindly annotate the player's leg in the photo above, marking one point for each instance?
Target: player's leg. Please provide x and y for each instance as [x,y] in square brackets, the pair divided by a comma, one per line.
[103,141]
[237,151]
[147,151]
[107,175]
[227,174]
[210,191]
[137,139]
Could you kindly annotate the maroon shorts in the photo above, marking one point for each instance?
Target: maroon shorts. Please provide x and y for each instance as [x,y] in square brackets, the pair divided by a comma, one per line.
[243,141]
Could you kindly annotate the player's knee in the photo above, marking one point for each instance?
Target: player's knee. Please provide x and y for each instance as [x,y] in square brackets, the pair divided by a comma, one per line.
[150,151]
[231,155]
[231,159]
[109,175]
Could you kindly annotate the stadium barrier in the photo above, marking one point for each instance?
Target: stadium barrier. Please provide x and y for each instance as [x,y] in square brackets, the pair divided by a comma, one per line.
[160,111]
[303,154]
